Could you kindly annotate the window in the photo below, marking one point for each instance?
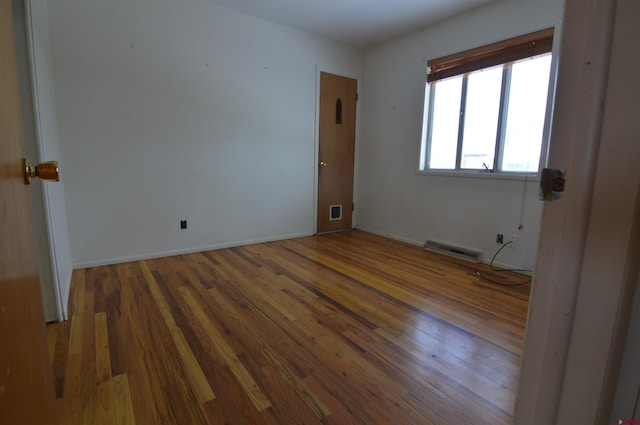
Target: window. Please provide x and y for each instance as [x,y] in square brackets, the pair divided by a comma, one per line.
[486,108]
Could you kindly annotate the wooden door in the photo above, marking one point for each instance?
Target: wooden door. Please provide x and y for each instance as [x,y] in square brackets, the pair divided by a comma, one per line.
[338,96]
[26,382]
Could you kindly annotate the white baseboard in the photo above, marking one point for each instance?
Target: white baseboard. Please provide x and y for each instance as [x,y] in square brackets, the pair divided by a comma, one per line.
[389,235]
[483,260]
[170,253]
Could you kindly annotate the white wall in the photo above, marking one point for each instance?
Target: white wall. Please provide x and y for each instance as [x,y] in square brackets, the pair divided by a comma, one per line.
[183,110]
[395,200]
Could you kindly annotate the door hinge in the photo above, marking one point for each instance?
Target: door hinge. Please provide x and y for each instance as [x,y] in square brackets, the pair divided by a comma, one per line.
[357,96]
[353,206]
[552,183]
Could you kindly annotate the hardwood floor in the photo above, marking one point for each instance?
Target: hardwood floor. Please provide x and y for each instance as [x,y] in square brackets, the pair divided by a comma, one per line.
[344,328]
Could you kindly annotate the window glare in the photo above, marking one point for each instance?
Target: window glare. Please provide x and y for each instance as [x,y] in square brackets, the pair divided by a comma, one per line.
[481,118]
[444,123]
[525,114]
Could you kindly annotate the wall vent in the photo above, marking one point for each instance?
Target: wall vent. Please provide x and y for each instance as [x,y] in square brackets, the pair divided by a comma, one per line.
[456,251]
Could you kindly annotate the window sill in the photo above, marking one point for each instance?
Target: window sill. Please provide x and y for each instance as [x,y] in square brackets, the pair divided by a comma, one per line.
[533,177]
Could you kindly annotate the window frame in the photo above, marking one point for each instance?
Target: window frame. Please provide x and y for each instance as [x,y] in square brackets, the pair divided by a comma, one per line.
[551,47]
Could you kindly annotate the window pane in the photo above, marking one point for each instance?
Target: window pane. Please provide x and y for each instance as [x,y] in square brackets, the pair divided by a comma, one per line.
[481,118]
[444,123]
[526,112]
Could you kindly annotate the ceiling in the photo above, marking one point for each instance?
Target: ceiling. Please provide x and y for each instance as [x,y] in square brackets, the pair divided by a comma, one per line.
[360,23]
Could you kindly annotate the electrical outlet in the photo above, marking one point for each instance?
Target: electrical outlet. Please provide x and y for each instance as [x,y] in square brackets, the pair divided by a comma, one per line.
[514,241]
[500,238]
[183,224]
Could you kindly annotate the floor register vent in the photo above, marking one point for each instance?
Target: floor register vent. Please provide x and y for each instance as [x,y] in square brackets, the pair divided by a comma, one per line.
[456,251]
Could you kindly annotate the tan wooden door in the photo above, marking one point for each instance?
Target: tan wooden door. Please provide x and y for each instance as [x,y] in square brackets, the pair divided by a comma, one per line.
[26,381]
[338,96]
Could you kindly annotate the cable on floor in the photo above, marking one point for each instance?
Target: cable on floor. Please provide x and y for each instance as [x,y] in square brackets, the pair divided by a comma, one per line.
[503,270]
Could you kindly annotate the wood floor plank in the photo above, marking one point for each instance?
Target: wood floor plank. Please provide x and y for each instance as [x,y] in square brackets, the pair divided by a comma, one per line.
[72,402]
[341,412]
[75,337]
[453,311]
[340,329]
[143,354]
[231,399]
[60,355]
[106,402]
[103,356]
[287,400]
[123,406]
[274,359]
[244,378]
[88,354]
[52,338]
[193,370]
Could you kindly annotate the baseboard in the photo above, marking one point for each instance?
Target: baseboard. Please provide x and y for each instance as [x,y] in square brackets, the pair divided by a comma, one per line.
[65,297]
[389,235]
[483,260]
[516,269]
[170,253]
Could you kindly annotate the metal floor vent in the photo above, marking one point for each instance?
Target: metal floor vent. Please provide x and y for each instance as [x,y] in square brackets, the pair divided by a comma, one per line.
[456,251]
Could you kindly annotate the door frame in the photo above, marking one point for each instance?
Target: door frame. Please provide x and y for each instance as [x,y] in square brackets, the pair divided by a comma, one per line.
[611,262]
[316,152]
[60,278]
[576,306]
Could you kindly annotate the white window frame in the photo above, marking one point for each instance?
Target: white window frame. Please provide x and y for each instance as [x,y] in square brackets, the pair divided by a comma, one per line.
[427,101]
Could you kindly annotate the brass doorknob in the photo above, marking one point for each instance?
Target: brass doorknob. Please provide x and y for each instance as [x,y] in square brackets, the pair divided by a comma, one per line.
[45,171]
[323,164]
